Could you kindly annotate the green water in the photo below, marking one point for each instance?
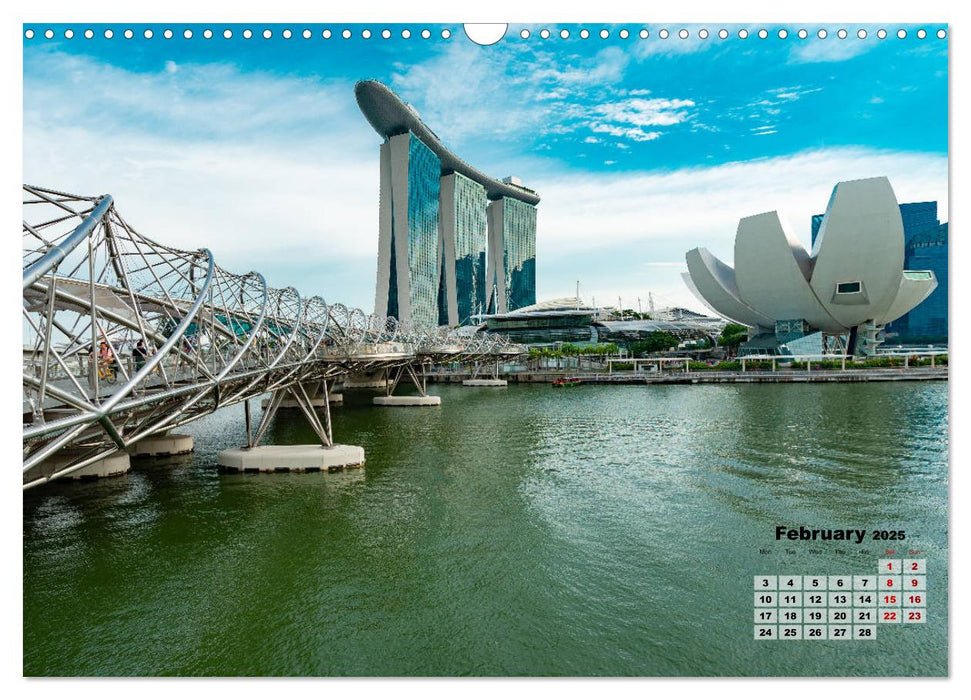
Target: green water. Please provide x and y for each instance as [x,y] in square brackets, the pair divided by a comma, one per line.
[520,531]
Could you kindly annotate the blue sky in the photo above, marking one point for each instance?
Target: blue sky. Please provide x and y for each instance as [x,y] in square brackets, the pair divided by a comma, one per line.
[640,148]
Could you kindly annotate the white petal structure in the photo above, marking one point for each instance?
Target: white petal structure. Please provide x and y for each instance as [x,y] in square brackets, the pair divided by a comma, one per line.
[853,277]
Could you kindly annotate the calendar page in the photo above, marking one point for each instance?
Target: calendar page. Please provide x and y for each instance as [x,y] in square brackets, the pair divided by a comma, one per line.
[841,606]
[407,348]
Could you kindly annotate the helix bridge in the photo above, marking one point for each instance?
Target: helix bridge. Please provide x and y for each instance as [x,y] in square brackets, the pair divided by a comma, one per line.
[125,338]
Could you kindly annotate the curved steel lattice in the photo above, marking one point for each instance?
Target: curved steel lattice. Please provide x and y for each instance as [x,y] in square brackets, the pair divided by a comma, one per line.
[125,337]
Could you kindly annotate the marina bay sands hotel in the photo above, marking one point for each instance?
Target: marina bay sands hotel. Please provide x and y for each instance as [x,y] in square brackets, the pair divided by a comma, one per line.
[452,242]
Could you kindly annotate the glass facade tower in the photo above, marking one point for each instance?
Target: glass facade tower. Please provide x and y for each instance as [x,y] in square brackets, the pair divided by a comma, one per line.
[423,261]
[438,244]
[512,249]
[926,323]
[408,242]
[464,238]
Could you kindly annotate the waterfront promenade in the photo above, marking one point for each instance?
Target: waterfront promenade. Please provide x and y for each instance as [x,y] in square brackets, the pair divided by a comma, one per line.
[881,374]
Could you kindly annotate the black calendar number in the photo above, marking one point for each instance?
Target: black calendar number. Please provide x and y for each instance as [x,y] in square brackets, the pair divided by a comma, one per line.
[889,535]
[843,606]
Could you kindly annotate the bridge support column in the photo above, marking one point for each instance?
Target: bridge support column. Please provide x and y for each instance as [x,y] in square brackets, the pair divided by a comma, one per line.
[285,458]
[113,465]
[423,399]
[162,445]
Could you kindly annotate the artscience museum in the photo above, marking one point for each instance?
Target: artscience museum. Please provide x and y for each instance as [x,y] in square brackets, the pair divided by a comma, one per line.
[836,298]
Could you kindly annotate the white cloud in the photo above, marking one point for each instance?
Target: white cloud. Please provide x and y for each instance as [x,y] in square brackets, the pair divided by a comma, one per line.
[828,50]
[645,112]
[626,118]
[662,215]
[633,133]
[251,167]
[605,67]
[464,90]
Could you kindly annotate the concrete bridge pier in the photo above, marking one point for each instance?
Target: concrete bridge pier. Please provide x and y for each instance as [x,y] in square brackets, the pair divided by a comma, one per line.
[113,465]
[494,380]
[326,456]
[377,379]
[162,445]
[408,372]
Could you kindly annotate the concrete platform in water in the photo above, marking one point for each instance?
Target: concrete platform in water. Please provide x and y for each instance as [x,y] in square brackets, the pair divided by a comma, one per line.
[291,458]
[162,445]
[112,465]
[485,382]
[407,400]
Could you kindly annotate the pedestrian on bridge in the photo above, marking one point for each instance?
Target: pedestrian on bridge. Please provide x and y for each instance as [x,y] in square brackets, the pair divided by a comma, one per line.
[140,354]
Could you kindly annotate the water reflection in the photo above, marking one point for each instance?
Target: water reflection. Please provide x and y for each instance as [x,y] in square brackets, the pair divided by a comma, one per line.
[604,530]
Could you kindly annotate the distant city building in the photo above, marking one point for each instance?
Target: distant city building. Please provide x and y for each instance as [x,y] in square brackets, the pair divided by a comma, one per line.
[925,248]
[852,284]
[926,323]
[569,320]
[452,241]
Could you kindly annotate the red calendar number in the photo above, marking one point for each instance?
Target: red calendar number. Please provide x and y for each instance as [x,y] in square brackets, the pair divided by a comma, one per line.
[913,615]
[891,599]
[890,616]
[915,599]
[913,566]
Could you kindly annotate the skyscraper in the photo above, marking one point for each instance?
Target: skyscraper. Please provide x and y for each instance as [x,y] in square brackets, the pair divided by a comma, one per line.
[451,240]
[464,234]
[408,241]
[512,255]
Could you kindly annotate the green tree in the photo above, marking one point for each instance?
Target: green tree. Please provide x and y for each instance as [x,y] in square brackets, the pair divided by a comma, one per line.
[655,341]
[732,336]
